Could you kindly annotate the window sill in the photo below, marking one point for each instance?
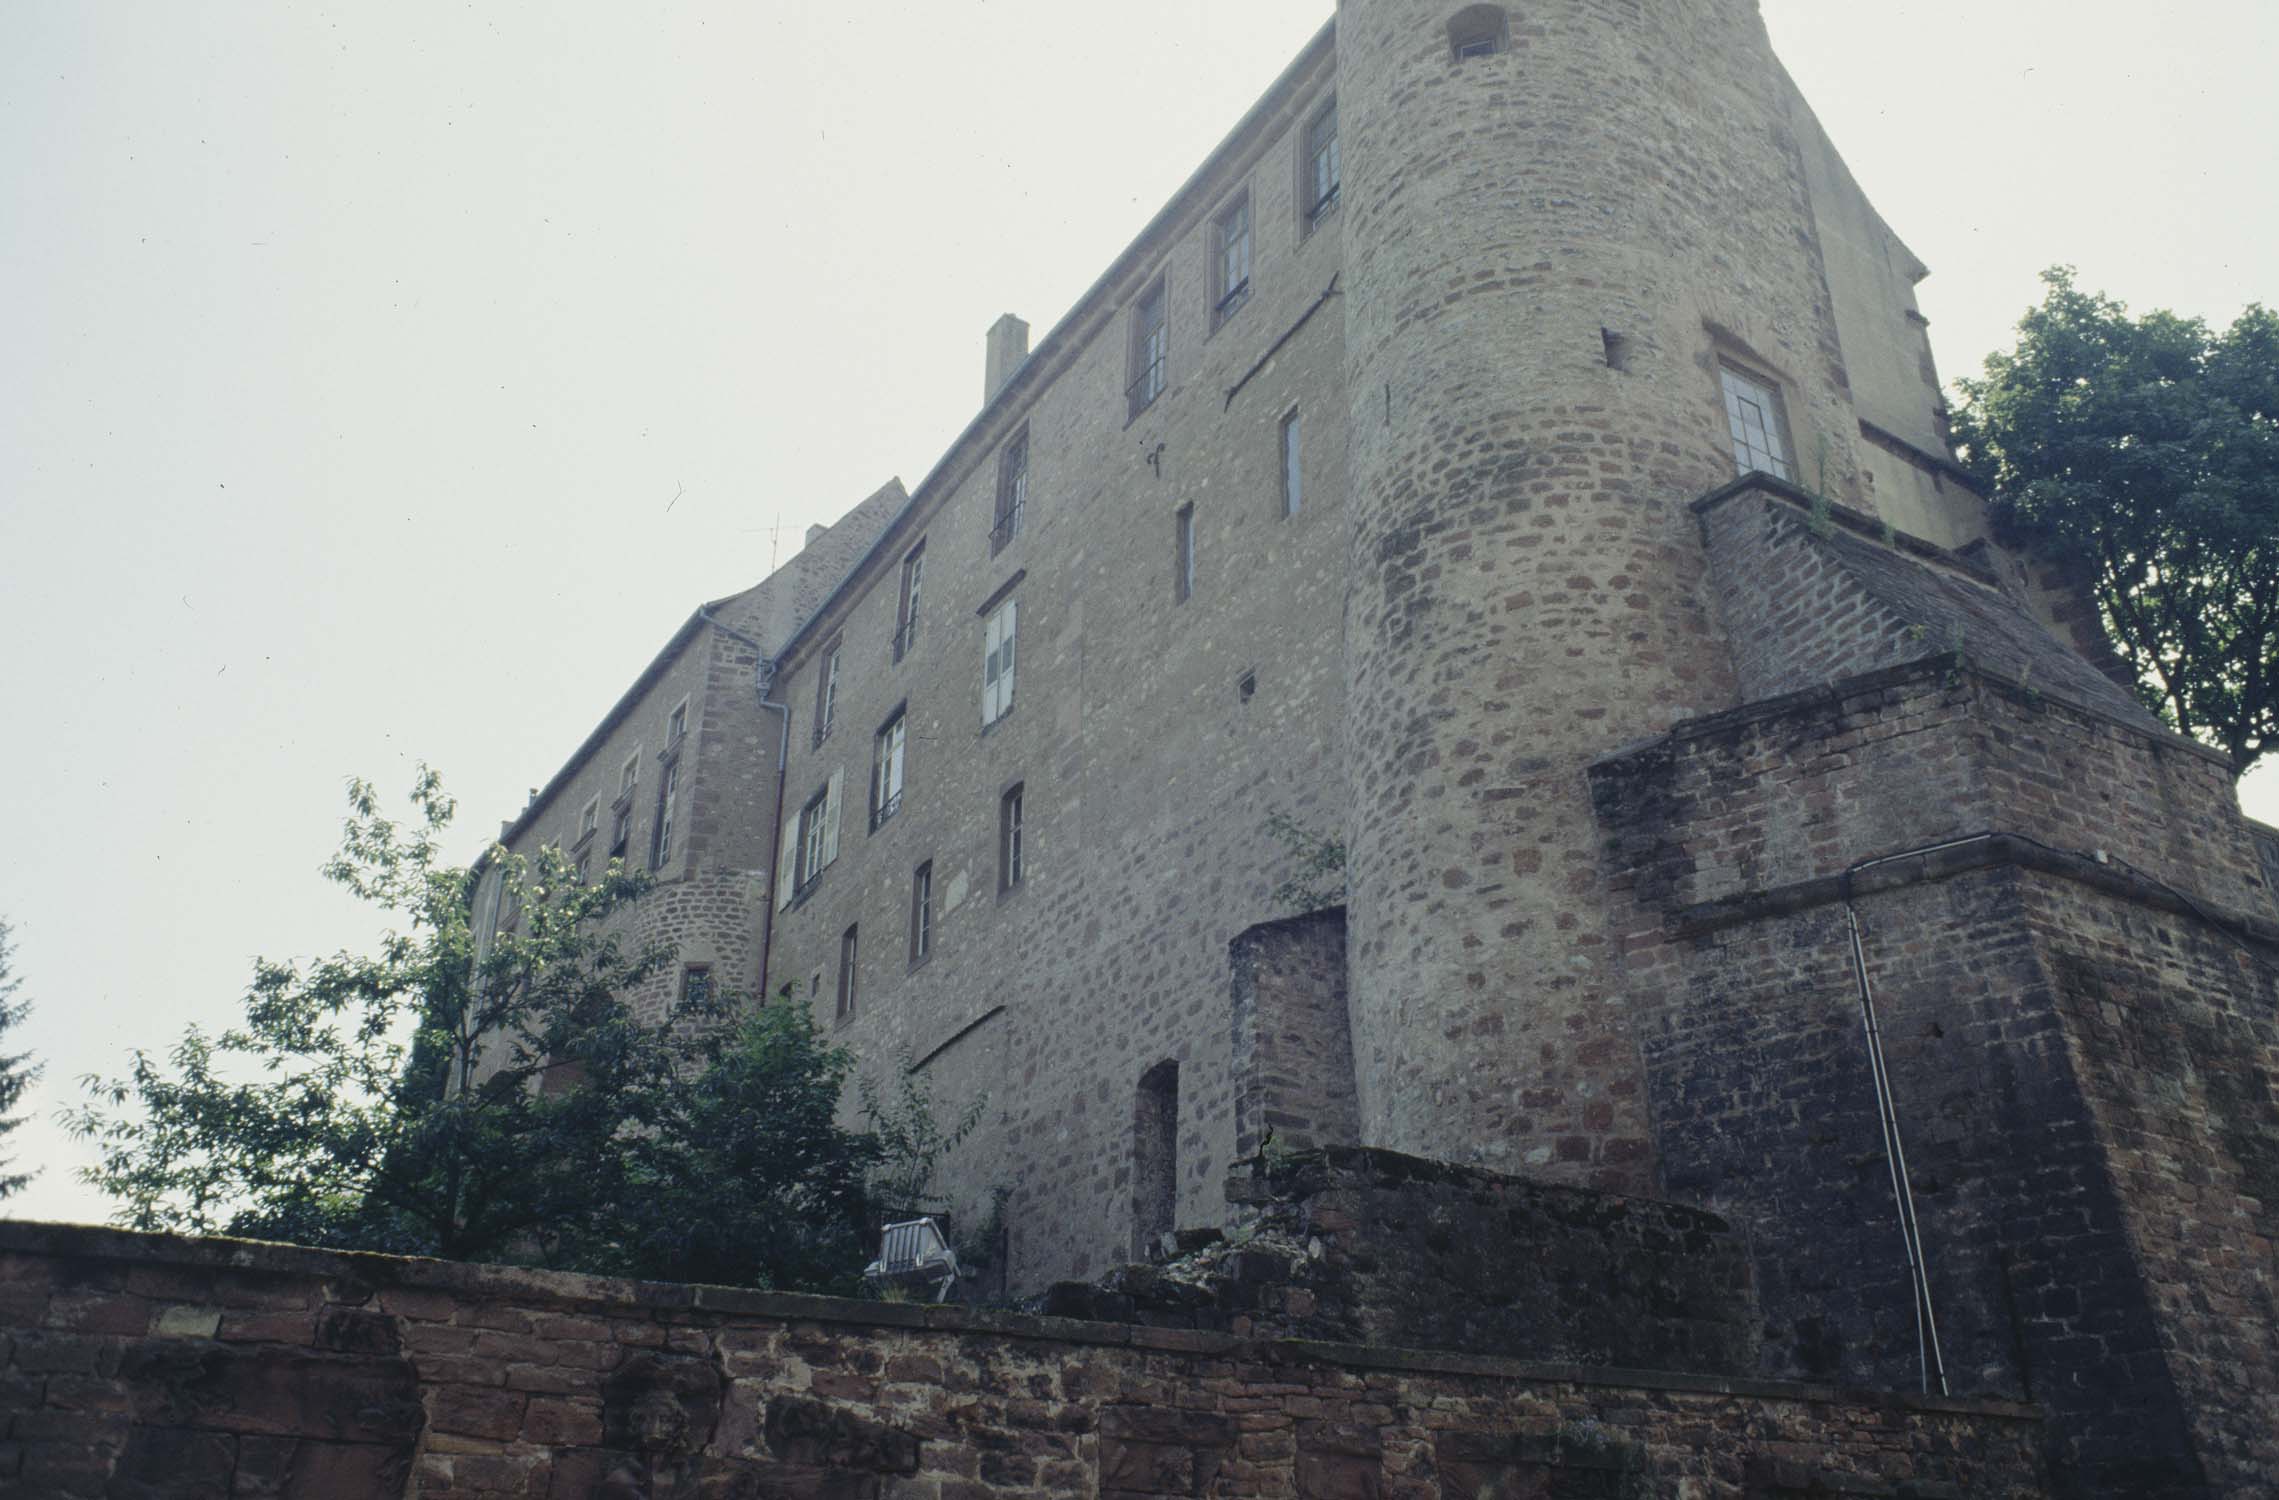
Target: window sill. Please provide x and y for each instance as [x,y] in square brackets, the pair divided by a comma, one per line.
[919,962]
[991,727]
[1322,213]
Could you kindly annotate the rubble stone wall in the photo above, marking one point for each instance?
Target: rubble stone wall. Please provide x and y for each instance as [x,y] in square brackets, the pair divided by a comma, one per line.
[165,1369]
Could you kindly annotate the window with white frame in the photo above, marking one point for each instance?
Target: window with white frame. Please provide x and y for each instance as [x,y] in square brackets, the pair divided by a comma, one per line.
[997,653]
[826,691]
[1150,344]
[906,612]
[1011,849]
[1318,168]
[1230,259]
[886,769]
[922,912]
[810,842]
[1760,429]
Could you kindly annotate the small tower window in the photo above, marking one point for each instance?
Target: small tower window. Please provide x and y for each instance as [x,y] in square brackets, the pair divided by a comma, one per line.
[1478,31]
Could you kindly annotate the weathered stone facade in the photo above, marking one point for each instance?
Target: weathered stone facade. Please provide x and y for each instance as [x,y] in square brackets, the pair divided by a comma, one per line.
[1425,535]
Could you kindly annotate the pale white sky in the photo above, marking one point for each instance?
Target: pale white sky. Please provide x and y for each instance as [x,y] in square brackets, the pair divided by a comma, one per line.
[381,382]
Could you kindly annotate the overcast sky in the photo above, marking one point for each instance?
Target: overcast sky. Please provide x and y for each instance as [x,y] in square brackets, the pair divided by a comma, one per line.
[386,382]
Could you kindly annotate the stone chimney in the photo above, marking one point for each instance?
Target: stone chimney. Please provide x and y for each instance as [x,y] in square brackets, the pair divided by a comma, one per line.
[1008,347]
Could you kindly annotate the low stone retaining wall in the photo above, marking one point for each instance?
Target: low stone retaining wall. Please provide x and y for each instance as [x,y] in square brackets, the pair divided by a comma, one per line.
[152,1366]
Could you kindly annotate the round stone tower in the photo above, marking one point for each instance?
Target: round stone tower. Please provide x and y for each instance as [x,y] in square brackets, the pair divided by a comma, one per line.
[1563,219]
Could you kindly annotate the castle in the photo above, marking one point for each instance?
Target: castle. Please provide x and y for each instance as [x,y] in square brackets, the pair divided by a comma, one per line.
[1515,455]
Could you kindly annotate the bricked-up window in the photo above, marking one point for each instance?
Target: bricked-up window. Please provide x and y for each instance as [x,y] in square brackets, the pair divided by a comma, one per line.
[668,803]
[1010,835]
[906,613]
[1230,259]
[1183,554]
[1293,473]
[1012,492]
[998,634]
[826,691]
[1155,1156]
[886,770]
[696,987]
[1150,344]
[922,912]
[1318,165]
[810,842]
[847,973]
[1759,427]
[1478,31]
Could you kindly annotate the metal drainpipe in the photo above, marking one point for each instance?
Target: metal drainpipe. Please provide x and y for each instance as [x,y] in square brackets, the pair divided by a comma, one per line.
[1887,1117]
[763,678]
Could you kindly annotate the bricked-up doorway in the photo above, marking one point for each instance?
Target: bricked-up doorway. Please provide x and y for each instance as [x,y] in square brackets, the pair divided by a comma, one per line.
[1155,1156]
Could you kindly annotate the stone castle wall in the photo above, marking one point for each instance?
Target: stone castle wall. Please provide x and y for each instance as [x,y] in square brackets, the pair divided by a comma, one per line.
[168,1369]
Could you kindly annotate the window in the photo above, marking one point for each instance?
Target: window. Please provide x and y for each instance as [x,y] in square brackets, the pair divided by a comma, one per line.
[1230,260]
[1293,475]
[1760,431]
[629,776]
[1318,166]
[922,912]
[997,633]
[676,724]
[621,828]
[696,987]
[589,820]
[1183,554]
[886,771]
[906,616]
[1009,849]
[668,793]
[584,868]
[826,691]
[1148,348]
[847,973]
[1012,492]
[1478,31]
[810,842]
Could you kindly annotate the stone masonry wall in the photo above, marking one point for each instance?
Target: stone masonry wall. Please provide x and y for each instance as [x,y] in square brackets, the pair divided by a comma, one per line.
[2082,1064]
[1293,1049]
[168,1369]
[1149,768]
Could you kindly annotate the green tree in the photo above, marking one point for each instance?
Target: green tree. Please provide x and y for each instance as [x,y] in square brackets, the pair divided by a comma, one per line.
[17,1070]
[399,1100]
[2145,451]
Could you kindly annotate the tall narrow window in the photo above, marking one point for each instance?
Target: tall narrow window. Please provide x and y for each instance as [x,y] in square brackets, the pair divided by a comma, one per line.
[1230,263]
[629,775]
[997,653]
[1149,345]
[1155,1156]
[922,912]
[676,724]
[696,987]
[906,617]
[847,973]
[1183,554]
[1009,841]
[1318,165]
[810,842]
[1293,474]
[668,795]
[589,819]
[886,771]
[1760,431]
[1012,492]
[826,692]
[621,828]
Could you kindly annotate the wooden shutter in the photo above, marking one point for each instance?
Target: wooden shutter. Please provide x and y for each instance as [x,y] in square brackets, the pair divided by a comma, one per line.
[832,797]
[787,863]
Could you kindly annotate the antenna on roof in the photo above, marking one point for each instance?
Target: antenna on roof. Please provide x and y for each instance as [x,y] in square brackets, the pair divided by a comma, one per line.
[775,532]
